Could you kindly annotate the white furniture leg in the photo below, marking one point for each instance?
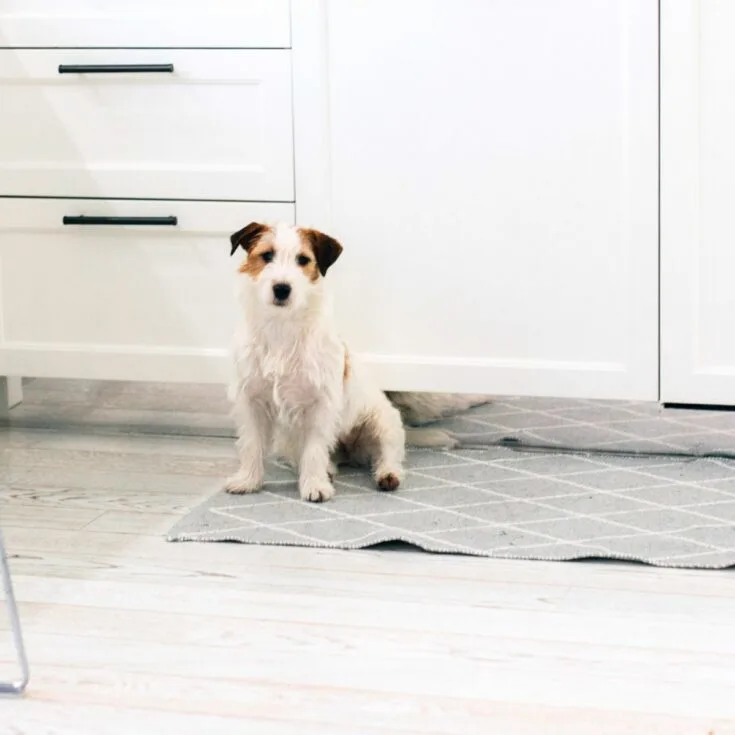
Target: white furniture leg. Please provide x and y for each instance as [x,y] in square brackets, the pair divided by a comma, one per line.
[18,686]
[11,393]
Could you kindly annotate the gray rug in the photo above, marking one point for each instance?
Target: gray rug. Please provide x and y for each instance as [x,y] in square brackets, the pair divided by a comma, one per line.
[502,503]
[584,424]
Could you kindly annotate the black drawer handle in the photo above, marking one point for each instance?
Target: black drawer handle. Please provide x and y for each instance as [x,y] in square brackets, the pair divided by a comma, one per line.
[84,220]
[116,68]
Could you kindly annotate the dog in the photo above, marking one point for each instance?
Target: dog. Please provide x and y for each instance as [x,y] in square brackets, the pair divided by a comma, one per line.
[297,387]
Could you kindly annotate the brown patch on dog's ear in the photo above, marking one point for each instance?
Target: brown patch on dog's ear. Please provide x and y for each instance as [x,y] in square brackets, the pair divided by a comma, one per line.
[325,248]
[247,236]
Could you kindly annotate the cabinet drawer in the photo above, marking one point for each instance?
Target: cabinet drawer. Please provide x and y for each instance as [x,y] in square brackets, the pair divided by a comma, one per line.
[145,23]
[189,125]
[149,302]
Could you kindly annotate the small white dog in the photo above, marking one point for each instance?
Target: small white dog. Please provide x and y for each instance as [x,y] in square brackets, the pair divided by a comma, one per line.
[296,384]
[297,387]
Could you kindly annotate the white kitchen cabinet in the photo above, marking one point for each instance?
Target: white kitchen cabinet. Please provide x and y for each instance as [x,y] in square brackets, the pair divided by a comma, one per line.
[173,124]
[120,185]
[493,178]
[491,169]
[697,225]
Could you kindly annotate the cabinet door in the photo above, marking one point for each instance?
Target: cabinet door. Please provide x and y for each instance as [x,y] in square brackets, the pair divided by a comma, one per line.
[493,179]
[697,201]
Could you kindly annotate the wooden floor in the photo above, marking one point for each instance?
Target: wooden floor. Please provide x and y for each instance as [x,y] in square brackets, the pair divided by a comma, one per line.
[129,634]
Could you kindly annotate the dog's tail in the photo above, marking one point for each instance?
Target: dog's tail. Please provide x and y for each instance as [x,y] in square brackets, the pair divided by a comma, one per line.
[423,408]
[428,438]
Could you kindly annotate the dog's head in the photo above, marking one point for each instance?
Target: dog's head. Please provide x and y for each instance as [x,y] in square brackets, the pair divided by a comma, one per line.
[285,264]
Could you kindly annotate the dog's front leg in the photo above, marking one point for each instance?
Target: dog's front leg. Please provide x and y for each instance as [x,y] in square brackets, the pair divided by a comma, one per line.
[255,433]
[319,438]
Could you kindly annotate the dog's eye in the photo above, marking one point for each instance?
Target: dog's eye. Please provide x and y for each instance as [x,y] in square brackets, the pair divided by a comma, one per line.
[267,256]
[303,260]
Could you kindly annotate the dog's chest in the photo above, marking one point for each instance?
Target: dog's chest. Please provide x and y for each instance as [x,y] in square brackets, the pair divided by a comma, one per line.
[291,397]
[292,370]
[290,382]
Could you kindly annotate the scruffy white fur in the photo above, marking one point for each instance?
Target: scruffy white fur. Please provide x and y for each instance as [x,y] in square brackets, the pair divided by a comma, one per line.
[296,386]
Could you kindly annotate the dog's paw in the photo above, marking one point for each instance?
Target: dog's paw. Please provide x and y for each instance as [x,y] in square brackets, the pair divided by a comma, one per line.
[316,492]
[388,481]
[242,483]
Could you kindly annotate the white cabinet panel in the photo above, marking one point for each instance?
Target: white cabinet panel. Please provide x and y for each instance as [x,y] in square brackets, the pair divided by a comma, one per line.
[697,225]
[145,23]
[120,302]
[218,126]
[494,183]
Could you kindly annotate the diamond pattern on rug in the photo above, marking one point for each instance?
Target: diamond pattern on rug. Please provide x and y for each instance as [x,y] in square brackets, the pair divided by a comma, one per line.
[501,503]
[628,426]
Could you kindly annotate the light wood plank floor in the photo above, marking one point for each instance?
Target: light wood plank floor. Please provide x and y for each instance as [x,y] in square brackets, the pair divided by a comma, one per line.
[129,634]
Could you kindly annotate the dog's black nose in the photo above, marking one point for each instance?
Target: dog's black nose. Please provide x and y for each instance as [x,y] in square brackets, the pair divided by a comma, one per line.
[281,291]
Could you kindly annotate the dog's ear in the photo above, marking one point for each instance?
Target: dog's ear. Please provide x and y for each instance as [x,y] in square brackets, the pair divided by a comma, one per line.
[246,237]
[326,249]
